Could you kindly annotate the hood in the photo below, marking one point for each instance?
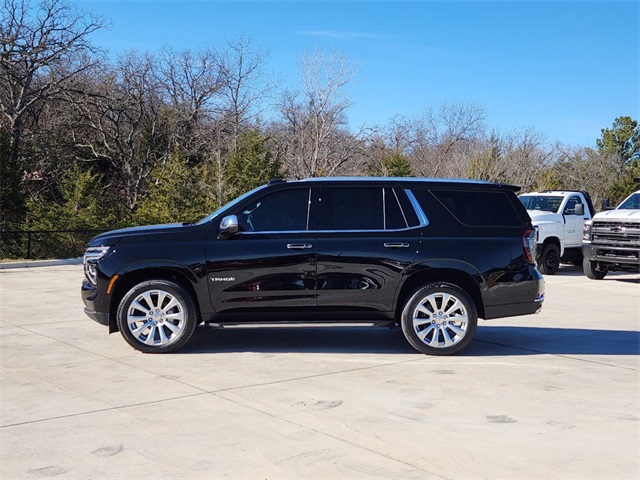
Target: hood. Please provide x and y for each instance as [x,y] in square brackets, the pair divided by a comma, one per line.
[114,236]
[538,216]
[619,214]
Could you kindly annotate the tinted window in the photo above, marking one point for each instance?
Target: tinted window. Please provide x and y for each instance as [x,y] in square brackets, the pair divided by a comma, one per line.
[285,210]
[351,208]
[393,216]
[479,208]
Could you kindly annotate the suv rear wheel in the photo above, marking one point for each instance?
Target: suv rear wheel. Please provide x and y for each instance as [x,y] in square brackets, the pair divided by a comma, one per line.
[439,319]
[157,316]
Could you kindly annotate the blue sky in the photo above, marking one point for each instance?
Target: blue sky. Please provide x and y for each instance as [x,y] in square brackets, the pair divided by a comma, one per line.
[566,68]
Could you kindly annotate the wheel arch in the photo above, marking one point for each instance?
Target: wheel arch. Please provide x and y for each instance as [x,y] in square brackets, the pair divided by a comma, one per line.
[457,277]
[554,240]
[127,280]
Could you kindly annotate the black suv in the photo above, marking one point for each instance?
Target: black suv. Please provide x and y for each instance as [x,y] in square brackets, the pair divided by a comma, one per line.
[430,254]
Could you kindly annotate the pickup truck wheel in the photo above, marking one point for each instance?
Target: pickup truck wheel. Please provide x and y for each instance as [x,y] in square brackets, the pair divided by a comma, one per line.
[439,319]
[549,260]
[157,316]
[590,270]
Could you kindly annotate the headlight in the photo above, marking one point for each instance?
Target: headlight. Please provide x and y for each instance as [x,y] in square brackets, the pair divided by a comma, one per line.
[90,260]
[586,232]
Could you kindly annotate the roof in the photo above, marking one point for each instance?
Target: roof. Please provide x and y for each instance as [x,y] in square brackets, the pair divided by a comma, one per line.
[409,180]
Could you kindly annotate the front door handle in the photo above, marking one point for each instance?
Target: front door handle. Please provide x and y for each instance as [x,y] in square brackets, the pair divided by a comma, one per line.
[396,245]
[299,246]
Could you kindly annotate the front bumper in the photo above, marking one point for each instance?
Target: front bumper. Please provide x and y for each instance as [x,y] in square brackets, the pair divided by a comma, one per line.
[100,317]
[611,254]
[96,308]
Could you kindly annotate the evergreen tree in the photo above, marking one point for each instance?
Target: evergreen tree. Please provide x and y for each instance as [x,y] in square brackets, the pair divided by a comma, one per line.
[177,193]
[252,164]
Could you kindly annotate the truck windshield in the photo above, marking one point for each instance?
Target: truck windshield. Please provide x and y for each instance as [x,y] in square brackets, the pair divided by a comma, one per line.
[631,203]
[543,203]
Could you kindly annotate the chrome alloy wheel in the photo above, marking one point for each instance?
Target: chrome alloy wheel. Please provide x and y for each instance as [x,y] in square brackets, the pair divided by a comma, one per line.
[440,320]
[156,318]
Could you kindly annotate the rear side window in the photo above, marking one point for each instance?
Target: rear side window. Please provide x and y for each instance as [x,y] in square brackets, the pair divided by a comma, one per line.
[479,209]
[471,208]
[352,208]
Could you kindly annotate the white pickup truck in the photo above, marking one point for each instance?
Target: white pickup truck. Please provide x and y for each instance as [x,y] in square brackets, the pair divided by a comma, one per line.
[611,240]
[559,217]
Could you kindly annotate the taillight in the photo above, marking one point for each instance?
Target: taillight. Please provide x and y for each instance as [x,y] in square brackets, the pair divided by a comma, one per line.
[529,245]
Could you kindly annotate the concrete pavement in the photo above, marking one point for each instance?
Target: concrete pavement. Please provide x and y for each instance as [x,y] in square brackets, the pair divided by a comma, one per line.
[554,395]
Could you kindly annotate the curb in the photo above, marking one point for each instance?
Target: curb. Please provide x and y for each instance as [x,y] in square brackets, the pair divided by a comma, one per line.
[41,263]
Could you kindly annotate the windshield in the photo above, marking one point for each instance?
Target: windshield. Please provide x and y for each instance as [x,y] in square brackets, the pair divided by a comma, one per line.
[631,203]
[229,205]
[544,203]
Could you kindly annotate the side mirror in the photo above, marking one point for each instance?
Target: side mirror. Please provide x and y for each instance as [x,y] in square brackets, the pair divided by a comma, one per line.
[606,205]
[228,226]
[579,210]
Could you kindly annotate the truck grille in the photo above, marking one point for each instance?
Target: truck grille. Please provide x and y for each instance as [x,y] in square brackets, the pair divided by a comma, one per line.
[621,234]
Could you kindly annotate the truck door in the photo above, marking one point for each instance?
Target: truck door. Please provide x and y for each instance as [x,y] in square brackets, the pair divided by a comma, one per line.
[574,222]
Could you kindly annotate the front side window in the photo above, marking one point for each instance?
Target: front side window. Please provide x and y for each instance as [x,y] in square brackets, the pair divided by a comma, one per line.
[571,205]
[281,211]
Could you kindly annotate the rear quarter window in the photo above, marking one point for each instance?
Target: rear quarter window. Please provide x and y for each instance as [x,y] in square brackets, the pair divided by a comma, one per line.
[471,208]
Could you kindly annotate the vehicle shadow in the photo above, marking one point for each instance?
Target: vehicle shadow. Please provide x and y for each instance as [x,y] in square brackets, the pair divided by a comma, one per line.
[489,341]
[567,270]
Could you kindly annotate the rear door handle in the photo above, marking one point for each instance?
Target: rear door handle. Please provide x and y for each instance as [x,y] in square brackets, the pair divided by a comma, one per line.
[299,246]
[396,245]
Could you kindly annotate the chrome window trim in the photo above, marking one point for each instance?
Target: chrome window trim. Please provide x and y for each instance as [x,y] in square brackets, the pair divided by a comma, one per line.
[328,231]
[308,210]
[273,232]
[371,231]
[424,221]
[384,208]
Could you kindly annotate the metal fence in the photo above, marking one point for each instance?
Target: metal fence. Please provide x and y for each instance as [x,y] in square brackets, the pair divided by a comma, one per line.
[44,244]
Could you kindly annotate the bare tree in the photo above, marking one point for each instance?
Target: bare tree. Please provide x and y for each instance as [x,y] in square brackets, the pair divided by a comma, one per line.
[313,133]
[42,49]
[191,82]
[123,123]
[527,154]
[441,136]
[584,169]
[245,85]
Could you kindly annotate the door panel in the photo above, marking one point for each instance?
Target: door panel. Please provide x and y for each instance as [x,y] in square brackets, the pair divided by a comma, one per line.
[270,263]
[363,247]
[357,271]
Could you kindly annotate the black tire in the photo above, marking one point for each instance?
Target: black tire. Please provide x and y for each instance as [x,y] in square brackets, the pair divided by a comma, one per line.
[549,259]
[427,319]
[157,316]
[591,271]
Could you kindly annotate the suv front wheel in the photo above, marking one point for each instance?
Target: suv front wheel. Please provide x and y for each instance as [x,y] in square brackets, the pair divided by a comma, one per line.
[439,319]
[157,316]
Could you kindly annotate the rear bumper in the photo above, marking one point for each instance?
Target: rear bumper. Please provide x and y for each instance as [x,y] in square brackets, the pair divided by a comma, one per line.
[514,309]
[524,297]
